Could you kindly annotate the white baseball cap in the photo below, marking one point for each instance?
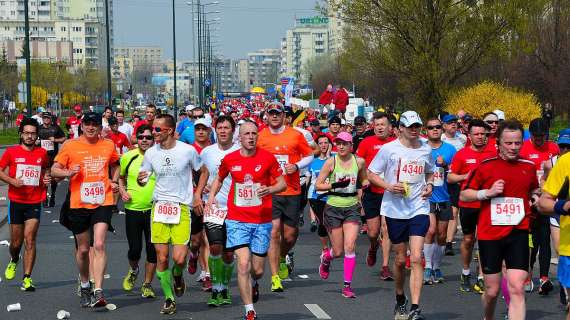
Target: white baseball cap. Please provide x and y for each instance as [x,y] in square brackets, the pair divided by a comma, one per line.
[190,107]
[204,122]
[409,118]
[500,114]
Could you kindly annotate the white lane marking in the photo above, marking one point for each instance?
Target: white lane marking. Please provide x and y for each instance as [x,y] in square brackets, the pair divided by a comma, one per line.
[317,311]
[303,276]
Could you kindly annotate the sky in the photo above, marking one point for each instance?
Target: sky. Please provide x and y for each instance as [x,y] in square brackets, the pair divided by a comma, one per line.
[245,25]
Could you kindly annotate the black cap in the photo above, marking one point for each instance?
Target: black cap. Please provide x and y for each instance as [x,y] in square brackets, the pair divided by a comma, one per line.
[315,122]
[288,111]
[538,127]
[113,121]
[92,117]
[359,120]
[334,120]
[46,114]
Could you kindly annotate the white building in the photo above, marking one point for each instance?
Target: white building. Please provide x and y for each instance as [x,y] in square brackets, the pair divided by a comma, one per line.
[143,58]
[263,66]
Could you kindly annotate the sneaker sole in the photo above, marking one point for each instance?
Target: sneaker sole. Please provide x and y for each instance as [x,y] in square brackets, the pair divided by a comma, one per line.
[277,290]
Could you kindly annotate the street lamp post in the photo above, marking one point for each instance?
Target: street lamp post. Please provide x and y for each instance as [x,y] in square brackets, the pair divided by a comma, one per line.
[174,57]
[27,55]
[107,32]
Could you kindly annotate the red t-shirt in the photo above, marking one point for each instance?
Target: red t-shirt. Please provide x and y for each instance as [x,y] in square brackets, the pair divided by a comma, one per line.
[520,179]
[72,126]
[491,144]
[539,154]
[29,166]
[367,150]
[331,137]
[120,140]
[464,161]
[261,168]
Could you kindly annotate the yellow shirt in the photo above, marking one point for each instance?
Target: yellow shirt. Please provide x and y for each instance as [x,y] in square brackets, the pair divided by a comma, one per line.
[556,178]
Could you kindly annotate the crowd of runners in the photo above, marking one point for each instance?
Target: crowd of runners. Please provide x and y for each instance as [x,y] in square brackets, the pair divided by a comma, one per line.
[228,188]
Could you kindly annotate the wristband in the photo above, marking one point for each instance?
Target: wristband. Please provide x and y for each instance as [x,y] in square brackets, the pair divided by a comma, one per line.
[482,195]
[559,208]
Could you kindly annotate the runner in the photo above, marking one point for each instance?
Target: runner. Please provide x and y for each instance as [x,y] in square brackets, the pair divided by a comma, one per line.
[342,211]
[121,141]
[220,261]
[172,163]
[334,128]
[50,136]
[318,200]
[464,161]
[293,154]
[74,122]
[124,127]
[361,131]
[187,122]
[408,167]
[503,185]
[86,162]
[150,114]
[440,207]
[25,168]
[372,196]
[138,205]
[249,217]
[492,120]
[188,135]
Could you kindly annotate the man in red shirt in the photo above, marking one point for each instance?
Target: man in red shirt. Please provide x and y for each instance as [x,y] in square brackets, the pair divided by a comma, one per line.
[327,96]
[27,177]
[121,141]
[150,113]
[538,150]
[372,196]
[504,185]
[463,163]
[249,218]
[74,122]
[340,99]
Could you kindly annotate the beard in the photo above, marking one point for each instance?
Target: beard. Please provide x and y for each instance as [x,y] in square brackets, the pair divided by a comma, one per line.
[29,145]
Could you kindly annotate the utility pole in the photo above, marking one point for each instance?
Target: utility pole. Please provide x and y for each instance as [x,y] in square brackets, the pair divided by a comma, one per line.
[174,54]
[200,78]
[107,31]
[27,55]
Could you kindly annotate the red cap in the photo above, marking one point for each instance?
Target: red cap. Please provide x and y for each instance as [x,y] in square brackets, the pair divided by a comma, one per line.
[77,108]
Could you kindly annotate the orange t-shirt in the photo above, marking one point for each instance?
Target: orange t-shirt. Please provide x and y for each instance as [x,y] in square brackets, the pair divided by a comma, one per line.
[91,187]
[288,147]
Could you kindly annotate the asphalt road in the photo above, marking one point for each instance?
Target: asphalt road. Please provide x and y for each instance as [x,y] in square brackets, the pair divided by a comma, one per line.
[55,276]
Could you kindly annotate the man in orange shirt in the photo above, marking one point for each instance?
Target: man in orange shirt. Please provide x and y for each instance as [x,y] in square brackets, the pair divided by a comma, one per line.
[86,162]
[292,153]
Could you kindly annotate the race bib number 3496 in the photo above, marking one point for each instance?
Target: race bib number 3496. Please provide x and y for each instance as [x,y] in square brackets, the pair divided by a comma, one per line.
[507,211]
[93,192]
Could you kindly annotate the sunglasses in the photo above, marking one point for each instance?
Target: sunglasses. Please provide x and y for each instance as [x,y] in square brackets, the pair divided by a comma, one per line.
[143,137]
[492,121]
[197,117]
[438,127]
[159,129]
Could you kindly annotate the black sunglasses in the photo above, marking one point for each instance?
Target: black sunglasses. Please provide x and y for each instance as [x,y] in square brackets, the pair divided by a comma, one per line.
[438,127]
[492,121]
[144,137]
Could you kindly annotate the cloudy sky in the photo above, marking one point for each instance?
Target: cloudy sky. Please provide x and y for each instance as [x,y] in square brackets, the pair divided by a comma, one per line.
[245,25]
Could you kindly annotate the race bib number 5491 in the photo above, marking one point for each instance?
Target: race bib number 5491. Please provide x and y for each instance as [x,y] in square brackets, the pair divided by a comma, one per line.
[506,211]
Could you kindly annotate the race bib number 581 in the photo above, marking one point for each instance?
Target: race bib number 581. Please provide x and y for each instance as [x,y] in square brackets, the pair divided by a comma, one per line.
[506,211]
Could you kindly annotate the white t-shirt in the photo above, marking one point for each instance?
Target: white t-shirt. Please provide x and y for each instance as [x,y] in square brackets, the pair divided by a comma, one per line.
[458,141]
[391,160]
[304,173]
[173,171]
[211,158]
[127,129]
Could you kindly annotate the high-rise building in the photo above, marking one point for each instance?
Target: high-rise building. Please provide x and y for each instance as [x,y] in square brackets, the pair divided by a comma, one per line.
[263,66]
[336,29]
[243,74]
[41,50]
[143,58]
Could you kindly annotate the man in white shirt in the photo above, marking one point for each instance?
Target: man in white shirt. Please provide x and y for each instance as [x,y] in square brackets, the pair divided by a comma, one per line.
[124,127]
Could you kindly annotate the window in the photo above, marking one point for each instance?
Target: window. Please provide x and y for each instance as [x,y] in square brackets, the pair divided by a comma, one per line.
[63,29]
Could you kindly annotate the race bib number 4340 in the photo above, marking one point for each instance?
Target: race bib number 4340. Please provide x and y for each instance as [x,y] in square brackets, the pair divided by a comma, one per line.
[93,192]
[29,174]
[506,211]
[411,171]
[167,212]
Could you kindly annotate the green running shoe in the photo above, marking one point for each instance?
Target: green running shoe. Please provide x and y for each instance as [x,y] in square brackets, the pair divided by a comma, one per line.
[147,291]
[283,270]
[225,297]
[28,285]
[214,300]
[10,272]
[129,280]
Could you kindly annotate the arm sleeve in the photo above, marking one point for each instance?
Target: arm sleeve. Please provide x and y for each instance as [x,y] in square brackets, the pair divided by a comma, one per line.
[306,161]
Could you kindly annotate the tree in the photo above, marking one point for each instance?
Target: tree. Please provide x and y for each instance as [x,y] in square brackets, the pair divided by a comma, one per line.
[431,44]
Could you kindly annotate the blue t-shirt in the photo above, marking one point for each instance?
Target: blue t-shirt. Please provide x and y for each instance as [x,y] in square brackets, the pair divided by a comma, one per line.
[183,125]
[187,135]
[447,151]
[314,169]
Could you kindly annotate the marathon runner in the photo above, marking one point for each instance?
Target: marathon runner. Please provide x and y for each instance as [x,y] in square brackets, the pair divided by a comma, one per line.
[333,130]
[361,131]
[317,200]
[87,161]
[464,161]
[121,141]
[492,120]
[504,185]
[440,207]
[74,122]
[138,205]
[25,168]
[150,114]
[407,168]
[249,217]
[124,127]
[220,261]
[50,136]
[293,154]
[372,196]
[342,211]
[172,163]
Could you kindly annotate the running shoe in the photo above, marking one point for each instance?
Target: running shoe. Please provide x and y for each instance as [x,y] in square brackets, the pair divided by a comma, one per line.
[438,276]
[324,267]
[416,314]
[214,300]
[225,297]
[98,299]
[192,262]
[250,315]
[401,311]
[169,307]
[386,274]
[147,291]
[255,292]
[10,272]
[276,285]
[85,294]
[347,292]
[290,262]
[465,283]
[283,270]
[479,286]
[207,284]
[201,276]
[129,280]
[449,249]
[545,286]
[179,286]
[314,225]
[28,285]
[428,277]
[528,285]
[371,257]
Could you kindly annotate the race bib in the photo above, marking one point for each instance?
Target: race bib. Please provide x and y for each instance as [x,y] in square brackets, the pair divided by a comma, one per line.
[216,215]
[47,145]
[246,195]
[166,212]
[93,192]
[75,130]
[438,176]
[282,159]
[507,211]
[29,174]
[411,171]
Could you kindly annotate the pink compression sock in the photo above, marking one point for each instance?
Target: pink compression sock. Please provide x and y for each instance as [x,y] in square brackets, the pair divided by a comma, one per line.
[349,265]
[505,290]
